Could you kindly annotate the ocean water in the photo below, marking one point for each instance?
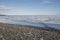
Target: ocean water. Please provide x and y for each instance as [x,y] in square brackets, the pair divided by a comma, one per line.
[43,21]
[36,18]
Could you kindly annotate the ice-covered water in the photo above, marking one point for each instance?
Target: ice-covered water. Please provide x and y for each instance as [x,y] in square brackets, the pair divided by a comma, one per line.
[37,21]
[38,18]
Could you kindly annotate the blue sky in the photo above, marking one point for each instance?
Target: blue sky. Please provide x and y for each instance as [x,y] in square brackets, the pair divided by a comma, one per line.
[30,7]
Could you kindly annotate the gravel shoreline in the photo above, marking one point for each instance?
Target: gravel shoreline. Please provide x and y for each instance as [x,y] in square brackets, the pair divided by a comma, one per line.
[15,32]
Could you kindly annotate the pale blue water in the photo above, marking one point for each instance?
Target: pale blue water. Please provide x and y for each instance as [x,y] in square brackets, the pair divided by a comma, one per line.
[21,23]
[26,23]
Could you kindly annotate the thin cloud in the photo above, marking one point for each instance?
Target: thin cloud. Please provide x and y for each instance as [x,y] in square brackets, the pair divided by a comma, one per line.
[3,8]
[46,1]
